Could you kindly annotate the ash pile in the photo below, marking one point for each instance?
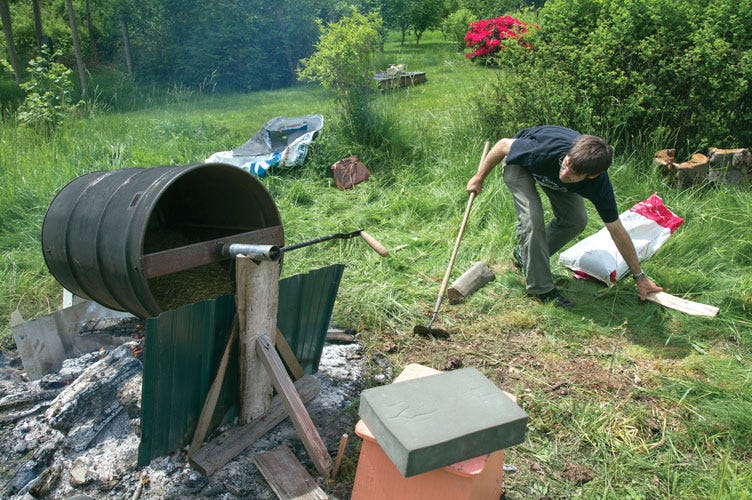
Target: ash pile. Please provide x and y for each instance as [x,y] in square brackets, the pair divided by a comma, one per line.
[75,433]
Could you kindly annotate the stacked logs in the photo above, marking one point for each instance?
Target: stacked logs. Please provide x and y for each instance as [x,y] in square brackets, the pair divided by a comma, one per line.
[719,166]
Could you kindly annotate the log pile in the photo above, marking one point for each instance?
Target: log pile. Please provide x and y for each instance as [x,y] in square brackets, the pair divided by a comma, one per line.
[718,166]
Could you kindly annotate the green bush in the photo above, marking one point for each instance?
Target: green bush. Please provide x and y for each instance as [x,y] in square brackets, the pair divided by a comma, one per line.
[454,27]
[637,68]
[10,93]
[48,94]
[343,62]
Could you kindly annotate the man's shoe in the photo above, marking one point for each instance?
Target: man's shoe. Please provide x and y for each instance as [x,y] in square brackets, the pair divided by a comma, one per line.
[556,297]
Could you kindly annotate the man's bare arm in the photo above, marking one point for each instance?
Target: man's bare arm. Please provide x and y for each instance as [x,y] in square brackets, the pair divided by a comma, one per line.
[495,155]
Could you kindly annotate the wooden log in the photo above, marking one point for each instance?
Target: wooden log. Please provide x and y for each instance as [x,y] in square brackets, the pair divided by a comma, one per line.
[87,405]
[43,484]
[473,279]
[731,166]
[286,476]
[231,443]
[295,408]
[693,171]
[665,160]
[339,336]
[256,298]
[30,470]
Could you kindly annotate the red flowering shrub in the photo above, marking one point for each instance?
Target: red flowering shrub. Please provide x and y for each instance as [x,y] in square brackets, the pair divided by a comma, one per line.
[488,37]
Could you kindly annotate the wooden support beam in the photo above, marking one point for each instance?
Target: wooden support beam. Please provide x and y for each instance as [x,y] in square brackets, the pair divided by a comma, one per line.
[285,352]
[256,299]
[225,447]
[210,403]
[286,475]
[298,414]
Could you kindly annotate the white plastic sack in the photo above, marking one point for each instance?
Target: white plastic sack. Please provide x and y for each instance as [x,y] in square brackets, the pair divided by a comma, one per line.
[649,223]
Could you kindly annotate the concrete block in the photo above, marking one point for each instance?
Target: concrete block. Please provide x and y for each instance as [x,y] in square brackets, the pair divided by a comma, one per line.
[430,422]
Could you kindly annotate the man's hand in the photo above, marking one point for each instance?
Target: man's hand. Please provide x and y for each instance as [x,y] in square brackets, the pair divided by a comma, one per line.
[646,286]
[474,185]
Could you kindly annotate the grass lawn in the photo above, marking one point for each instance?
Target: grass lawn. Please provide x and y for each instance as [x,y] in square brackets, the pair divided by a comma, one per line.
[626,399]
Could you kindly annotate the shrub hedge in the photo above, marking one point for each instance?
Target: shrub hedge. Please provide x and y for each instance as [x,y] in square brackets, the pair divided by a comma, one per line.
[675,73]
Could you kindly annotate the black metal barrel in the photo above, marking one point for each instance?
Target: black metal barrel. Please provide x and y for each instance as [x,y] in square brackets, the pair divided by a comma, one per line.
[101,229]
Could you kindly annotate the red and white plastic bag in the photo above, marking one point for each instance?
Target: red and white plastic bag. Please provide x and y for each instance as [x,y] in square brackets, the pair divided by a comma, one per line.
[649,223]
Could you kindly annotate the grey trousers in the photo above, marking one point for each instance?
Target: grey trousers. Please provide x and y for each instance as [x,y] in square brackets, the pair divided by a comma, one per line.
[538,240]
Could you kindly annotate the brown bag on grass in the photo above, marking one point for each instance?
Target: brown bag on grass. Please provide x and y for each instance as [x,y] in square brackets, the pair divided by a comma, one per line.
[349,171]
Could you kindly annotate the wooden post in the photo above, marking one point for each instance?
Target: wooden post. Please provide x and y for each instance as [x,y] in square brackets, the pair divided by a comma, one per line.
[256,298]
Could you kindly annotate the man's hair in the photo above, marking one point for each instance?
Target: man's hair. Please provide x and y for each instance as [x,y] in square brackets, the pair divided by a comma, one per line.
[589,155]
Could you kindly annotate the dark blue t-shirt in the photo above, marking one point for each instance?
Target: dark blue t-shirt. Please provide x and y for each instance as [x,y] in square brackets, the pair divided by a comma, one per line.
[542,149]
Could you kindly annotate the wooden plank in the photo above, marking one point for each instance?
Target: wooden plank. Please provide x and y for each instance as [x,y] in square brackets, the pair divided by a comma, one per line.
[339,336]
[683,305]
[210,403]
[298,414]
[231,443]
[287,476]
[207,252]
[285,352]
[256,299]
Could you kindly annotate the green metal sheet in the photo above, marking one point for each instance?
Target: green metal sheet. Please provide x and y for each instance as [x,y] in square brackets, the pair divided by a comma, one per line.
[305,310]
[183,349]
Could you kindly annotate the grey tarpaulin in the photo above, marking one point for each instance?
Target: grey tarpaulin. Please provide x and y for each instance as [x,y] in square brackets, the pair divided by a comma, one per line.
[281,142]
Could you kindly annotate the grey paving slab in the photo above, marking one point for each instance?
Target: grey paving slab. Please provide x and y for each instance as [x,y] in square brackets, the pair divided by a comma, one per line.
[430,422]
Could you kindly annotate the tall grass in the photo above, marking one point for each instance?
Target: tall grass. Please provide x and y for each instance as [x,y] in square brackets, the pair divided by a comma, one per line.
[652,402]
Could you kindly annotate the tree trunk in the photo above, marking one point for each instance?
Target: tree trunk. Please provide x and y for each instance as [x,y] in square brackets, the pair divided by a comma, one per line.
[92,35]
[127,44]
[285,36]
[8,30]
[38,27]
[77,48]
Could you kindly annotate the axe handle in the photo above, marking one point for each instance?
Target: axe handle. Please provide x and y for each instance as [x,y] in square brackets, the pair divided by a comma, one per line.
[448,273]
[377,247]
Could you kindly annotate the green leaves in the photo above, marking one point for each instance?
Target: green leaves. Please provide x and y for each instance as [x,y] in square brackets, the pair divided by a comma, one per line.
[342,59]
[48,94]
[638,64]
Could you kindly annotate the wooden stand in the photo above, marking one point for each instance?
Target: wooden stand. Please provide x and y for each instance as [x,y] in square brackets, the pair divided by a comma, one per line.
[262,369]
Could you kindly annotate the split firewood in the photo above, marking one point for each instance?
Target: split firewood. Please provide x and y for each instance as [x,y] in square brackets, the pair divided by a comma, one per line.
[693,171]
[473,279]
[665,160]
